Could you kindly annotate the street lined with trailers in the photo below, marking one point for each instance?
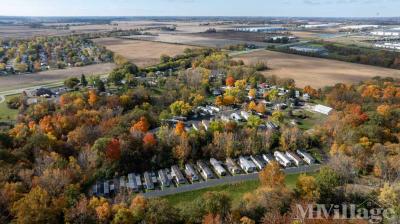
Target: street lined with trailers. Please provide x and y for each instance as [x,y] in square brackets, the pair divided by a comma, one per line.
[225,180]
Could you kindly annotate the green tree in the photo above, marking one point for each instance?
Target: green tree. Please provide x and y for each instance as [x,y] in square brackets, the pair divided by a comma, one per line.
[71,82]
[84,82]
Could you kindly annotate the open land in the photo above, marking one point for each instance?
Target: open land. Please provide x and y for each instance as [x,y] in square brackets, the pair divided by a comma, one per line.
[316,72]
[14,82]
[142,53]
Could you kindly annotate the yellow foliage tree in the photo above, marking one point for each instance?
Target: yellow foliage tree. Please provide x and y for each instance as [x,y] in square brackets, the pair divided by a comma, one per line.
[272,176]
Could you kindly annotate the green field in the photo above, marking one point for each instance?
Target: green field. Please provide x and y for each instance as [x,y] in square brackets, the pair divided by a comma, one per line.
[235,191]
[7,114]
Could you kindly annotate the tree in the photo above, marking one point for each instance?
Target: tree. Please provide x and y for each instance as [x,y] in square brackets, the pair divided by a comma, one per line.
[306,188]
[84,82]
[261,108]
[277,117]
[36,207]
[71,82]
[254,121]
[327,180]
[388,196]
[159,211]
[92,98]
[149,140]
[180,128]
[272,176]
[252,106]
[113,151]
[142,125]
[252,93]
[180,108]
[230,81]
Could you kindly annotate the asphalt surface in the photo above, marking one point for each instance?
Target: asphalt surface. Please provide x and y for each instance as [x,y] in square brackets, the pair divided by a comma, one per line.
[223,180]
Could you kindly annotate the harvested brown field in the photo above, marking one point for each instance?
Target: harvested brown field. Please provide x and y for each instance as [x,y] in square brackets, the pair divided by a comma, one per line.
[13,82]
[142,53]
[316,72]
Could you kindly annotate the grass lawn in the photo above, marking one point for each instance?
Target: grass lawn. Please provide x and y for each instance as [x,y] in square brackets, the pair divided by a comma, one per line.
[311,120]
[235,191]
[7,114]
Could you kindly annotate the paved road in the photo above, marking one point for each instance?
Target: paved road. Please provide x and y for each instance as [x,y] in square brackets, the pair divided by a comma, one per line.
[225,180]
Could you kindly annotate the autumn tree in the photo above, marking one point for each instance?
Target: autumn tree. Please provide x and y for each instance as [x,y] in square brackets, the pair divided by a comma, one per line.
[180,128]
[113,151]
[142,125]
[92,98]
[230,81]
[180,108]
[36,207]
[272,176]
[149,140]
[306,188]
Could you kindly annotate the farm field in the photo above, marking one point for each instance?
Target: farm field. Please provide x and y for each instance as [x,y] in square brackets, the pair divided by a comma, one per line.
[316,72]
[13,82]
[235,191]
[202,39]
[142,53]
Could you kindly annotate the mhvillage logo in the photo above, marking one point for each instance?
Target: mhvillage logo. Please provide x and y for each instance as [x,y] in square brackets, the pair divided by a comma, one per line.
[368,210]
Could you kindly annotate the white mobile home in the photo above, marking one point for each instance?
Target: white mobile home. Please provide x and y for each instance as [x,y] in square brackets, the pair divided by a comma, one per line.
[236,117]
[268,158]
[218,167]
[138,180]
[148,182]
[191,173]
[292,156]
[163,177]
[232,167]
[306,157]
[282,159]
[122,182]
[106,188]
[132,185]
[205,171]
[177,175]
[245,115]
[247,165]
[260,163]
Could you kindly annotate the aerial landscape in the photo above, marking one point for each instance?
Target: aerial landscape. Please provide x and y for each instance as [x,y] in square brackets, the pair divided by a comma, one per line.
[208,112]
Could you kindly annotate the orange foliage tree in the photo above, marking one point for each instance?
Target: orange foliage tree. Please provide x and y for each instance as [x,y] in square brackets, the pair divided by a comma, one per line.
[92,99]
[180,128]
[230,81]
[149,140]
[272,176]
[113,151]
[142,125]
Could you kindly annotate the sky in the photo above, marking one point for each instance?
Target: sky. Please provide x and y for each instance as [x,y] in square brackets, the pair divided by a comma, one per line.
[290,8]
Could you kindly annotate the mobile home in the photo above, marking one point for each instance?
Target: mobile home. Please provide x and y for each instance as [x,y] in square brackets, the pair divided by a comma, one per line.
[260,163]
[268,158]
[218,167]
[177,175]
[163,177]
[282,159]
[306,157]
[294,158]
[205,171]
[148,183]
[191,173]
[247,165]
[232,167]
[132,185]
